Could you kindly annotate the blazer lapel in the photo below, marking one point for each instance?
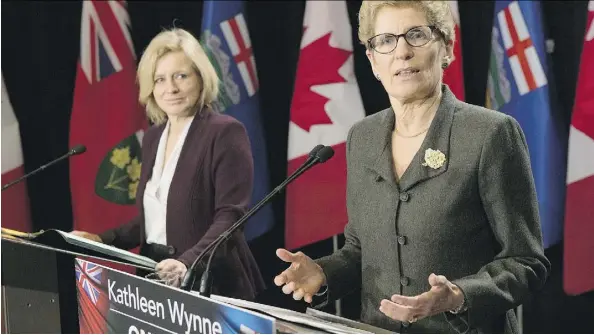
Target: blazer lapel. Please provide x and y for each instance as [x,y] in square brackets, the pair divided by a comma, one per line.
[149,161]
[380,152]
[190,158]
[438,138]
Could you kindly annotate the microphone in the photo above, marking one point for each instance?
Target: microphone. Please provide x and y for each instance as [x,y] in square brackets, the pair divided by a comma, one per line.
[319,154]
[76,150]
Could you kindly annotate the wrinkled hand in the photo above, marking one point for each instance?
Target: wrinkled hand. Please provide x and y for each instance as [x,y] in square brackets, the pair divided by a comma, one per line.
[303,277]
[89,236]
[442,297]
[171,271]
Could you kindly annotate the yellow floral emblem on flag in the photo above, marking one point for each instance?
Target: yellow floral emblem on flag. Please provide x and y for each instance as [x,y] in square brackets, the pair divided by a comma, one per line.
[119,173]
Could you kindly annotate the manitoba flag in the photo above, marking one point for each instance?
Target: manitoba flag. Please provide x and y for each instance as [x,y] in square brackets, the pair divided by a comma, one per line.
[107,119]
[326,103]
[578,255]
[15,202]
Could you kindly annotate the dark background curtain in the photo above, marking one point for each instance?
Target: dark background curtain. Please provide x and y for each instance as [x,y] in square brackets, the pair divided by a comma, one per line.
[41,47]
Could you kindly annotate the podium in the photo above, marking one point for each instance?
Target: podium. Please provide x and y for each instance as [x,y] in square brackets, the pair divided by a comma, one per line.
[34,298]
[98,299]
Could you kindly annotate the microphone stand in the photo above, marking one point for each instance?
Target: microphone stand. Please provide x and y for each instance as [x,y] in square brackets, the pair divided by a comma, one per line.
[206,282]
[79,149]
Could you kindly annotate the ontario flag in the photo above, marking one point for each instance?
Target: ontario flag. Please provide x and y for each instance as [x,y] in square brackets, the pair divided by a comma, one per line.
[453,75]
[518,86]
[578,254]
[15,201]
[93,303]
[326,103]
[107,119]
[226,39]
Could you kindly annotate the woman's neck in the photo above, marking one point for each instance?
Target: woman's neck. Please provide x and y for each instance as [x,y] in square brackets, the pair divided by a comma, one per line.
[177,123]
[415,116]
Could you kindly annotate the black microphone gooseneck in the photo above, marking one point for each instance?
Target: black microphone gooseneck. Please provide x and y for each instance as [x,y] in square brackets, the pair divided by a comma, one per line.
[319,154]
[76,150]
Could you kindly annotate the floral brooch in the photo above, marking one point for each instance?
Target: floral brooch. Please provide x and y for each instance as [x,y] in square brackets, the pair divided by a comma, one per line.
[434,158]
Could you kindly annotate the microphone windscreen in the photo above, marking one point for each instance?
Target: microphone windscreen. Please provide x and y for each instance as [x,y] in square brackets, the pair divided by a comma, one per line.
[315,150]
[78,149]
[325,154]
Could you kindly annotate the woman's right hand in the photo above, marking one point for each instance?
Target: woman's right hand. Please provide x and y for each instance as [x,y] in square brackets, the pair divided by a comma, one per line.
[89,236]
[303,277]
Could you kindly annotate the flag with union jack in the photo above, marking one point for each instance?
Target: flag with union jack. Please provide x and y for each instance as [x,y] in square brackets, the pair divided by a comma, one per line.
[226,39]
[93,303]
[107,119]
[518,86]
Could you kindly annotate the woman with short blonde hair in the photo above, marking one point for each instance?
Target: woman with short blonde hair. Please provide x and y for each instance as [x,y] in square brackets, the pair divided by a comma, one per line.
[197,171]
[171,41]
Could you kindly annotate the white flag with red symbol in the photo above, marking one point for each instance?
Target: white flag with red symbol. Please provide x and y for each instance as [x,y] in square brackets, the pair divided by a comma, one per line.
[578,262]
[326,103]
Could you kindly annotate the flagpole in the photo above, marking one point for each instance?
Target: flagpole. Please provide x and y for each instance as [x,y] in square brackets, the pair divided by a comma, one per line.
[334,249]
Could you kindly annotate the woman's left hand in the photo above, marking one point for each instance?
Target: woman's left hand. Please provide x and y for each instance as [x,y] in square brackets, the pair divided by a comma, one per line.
[442,297]
[172,271]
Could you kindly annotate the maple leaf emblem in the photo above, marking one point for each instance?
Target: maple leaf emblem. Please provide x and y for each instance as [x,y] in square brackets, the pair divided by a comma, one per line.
[318,65]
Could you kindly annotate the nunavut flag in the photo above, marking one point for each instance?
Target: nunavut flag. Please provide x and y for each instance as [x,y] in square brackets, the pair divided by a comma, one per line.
[578,253]
[107,119]
[326,103]
[518,86]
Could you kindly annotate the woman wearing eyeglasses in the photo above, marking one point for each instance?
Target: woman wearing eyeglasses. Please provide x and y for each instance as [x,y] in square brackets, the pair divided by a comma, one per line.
[443,232]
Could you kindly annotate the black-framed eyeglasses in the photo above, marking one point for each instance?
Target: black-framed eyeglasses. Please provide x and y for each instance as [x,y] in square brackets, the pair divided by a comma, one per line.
[415,37]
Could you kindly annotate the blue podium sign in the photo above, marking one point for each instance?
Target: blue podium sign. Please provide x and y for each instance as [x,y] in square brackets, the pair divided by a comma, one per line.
[111,301]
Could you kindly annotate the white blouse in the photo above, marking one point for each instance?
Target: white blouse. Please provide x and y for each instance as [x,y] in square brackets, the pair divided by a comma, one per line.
[157,188]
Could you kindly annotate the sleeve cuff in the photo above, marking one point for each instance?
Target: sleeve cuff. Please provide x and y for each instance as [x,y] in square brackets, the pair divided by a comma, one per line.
[107,237]
[323,291]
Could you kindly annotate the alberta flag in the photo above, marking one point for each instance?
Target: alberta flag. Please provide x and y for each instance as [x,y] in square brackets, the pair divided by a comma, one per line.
[226,38]
[518,86]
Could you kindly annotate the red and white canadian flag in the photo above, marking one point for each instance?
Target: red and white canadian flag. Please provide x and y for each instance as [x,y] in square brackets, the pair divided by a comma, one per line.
[15,201]
[578,254]
[326,103]
[453,76]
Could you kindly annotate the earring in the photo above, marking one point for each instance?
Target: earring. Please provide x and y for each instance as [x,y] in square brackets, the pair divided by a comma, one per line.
[377,76]
[444,65]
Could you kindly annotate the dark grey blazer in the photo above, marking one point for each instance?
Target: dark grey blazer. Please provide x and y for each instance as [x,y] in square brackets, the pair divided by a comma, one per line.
[474,220]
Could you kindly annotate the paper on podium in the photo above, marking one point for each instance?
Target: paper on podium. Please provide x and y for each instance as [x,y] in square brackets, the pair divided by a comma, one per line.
[315,322]
[351,323]
[62,240]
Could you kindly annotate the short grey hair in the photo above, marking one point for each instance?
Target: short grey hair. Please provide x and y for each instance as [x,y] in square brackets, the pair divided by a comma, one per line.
[438,14]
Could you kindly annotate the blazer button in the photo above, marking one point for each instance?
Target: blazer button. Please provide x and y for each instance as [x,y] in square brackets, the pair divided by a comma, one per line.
[404,281]
[404,196]
[171,250]
[402,240]
[379,178]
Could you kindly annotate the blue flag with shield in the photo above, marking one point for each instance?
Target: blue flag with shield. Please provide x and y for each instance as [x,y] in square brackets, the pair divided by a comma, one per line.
[226,39]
